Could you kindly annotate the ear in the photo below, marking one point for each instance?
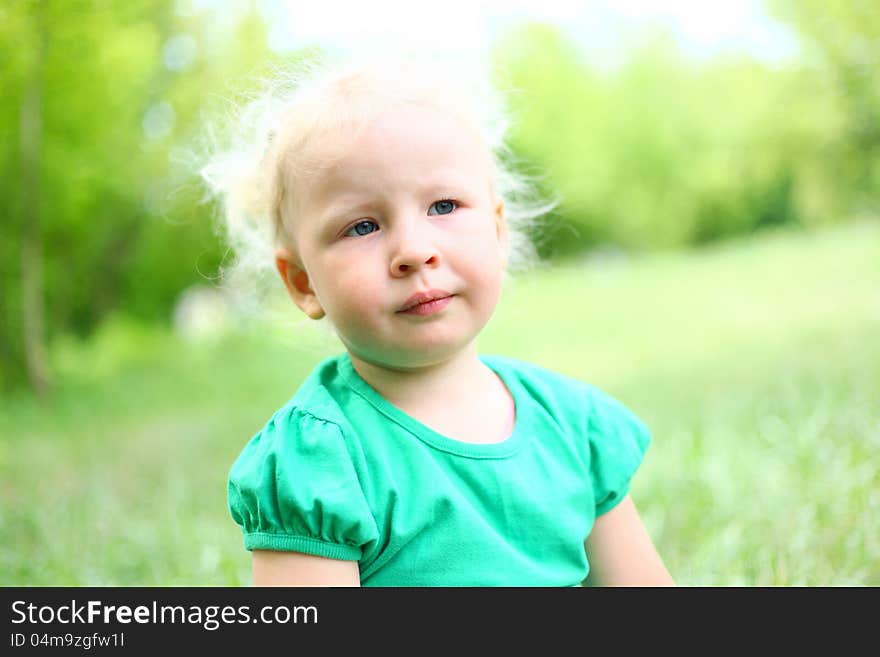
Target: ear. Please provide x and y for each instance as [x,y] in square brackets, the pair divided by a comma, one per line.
[501,232]
[296,280]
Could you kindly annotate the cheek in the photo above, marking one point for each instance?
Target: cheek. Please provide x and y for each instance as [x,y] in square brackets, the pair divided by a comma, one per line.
[481,255]
[347,290]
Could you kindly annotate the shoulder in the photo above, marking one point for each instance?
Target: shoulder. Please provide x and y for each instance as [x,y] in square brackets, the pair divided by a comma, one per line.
[532,375]
[317,396]
[312,420]
[548,387]
[566,397]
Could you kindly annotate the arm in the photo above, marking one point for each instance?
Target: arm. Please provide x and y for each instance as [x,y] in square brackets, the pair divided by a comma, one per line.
[621,553]
[271,568]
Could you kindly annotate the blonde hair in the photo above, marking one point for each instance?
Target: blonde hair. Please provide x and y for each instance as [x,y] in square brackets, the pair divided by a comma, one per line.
[274,135]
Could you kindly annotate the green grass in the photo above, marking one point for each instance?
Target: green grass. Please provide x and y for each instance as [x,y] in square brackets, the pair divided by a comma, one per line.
[756,365]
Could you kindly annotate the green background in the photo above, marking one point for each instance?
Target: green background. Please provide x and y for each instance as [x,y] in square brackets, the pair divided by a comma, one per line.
[714,263]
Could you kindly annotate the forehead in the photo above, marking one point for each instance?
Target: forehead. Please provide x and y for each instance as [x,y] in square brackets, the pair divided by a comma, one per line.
[409,145]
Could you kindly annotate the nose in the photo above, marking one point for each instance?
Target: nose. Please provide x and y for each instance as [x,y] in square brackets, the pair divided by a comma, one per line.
[414,250]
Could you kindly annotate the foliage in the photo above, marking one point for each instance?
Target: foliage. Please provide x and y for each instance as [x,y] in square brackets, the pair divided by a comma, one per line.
[843,49]
[664,151]
[123,87]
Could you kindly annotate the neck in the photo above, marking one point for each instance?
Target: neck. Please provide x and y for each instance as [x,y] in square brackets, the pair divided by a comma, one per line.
[459,376]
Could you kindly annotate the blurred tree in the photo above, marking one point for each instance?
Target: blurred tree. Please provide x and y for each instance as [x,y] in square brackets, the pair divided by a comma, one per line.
[842,42]
[31,128]
[100,99]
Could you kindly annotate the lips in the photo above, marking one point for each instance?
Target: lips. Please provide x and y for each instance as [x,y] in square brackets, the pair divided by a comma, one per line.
[423,297]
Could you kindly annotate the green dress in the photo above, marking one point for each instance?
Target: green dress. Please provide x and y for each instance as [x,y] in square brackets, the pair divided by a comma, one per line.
[339,472]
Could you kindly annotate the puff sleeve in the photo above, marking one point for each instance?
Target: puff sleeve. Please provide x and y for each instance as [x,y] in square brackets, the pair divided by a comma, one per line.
[294,487]
[618,441]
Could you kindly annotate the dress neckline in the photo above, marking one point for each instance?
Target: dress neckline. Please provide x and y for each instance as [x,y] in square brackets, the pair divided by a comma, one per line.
[495,450]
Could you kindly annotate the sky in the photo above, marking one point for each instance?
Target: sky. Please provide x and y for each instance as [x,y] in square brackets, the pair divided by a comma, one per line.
[468,27]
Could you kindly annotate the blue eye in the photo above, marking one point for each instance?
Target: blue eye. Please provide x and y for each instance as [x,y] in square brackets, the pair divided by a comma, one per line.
[362,228]
[443,207]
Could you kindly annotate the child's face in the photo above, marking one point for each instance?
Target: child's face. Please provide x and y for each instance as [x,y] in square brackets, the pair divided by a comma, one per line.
[407,209]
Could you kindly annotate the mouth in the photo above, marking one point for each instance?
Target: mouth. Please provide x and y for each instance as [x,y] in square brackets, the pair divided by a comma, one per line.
[430,300]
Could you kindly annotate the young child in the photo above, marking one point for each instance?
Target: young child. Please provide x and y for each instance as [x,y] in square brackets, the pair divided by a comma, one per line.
[409,459]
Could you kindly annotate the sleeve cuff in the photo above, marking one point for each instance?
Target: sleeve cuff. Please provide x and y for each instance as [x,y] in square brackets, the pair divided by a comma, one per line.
[305,544]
